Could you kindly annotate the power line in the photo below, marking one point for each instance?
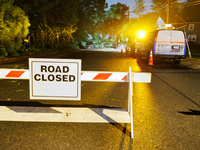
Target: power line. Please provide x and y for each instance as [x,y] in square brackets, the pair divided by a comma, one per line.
[187,4]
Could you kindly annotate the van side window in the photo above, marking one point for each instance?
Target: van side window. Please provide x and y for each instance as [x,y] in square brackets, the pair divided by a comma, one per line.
[191,26]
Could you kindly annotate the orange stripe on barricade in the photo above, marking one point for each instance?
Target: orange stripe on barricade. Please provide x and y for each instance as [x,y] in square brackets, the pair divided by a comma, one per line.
[14,74]
[102,76]
[124,78]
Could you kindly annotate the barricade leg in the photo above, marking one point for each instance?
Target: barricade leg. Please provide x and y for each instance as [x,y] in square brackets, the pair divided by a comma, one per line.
[130,105]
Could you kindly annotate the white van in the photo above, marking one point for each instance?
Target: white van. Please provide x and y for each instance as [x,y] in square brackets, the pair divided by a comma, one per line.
[168,44]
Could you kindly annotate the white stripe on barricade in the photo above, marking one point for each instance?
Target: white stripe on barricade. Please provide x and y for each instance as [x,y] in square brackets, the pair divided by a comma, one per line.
[141,77]
[64,114]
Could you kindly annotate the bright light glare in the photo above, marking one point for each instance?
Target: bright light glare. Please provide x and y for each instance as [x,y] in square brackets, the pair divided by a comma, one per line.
[141,34]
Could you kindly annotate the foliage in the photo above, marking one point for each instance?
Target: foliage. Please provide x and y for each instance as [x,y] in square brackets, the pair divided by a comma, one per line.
[188,10]
[52,22]
[145,23]
[90,15]
[64,46]
[115,19]
[13,28]
[35,50]
[159,5]
[139,9]
[191,12]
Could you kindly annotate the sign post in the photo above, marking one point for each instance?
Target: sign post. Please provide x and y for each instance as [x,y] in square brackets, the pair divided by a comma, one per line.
[55,79]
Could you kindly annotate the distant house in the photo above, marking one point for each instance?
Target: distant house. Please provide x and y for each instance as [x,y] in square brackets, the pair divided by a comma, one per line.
[193,31]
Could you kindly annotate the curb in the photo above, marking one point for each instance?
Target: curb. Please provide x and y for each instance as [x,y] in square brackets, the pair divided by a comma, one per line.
[44,55]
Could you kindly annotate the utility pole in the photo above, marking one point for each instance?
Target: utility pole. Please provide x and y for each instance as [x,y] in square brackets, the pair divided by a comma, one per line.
[127,38]
[128,19]
[168,8]
[189,52]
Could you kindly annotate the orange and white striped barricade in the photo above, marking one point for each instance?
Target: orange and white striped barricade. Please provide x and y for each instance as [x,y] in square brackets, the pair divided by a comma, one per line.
[118,115]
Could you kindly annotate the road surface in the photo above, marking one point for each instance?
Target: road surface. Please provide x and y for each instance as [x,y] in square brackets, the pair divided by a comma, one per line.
[166,111]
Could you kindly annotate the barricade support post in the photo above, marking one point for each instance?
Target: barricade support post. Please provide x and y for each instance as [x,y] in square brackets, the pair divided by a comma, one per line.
[130,105]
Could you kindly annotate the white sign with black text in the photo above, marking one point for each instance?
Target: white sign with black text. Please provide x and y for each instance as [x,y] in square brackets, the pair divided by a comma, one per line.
[55,79]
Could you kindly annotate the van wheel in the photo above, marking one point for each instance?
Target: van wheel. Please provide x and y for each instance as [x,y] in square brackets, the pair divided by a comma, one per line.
[177,61]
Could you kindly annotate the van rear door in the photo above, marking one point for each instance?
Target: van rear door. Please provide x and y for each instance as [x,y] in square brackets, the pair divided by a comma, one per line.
[163,42]
[177,43]
[170,42]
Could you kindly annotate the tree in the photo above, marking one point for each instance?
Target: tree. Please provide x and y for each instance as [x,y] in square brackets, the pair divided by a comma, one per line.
[139,7]
[52,22]
[190,11]
[115,19]
[159,5]
[167,9]
[13,28]
[145,23]
[90,15]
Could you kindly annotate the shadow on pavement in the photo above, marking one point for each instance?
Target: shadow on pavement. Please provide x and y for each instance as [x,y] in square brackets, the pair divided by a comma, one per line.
[190,112]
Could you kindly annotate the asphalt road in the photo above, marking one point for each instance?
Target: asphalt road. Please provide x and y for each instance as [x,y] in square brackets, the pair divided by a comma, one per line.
[166,111]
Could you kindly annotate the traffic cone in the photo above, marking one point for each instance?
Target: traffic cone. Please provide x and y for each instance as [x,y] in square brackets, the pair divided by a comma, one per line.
[135,55]
[151,58]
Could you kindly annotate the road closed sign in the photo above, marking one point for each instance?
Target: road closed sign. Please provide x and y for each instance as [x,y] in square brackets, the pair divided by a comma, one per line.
[55,79]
